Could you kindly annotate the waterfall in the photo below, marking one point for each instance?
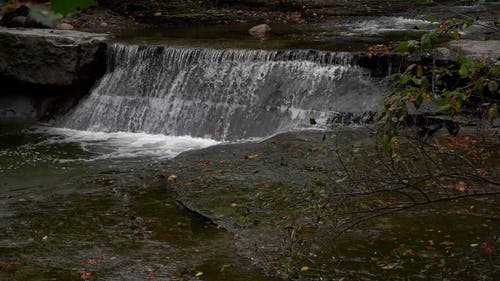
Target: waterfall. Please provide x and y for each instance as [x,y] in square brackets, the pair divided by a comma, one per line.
[223,94]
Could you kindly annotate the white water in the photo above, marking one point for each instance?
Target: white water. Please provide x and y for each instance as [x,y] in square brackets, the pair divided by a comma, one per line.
[387,24]
[120,145]
[223,94]
[158,101]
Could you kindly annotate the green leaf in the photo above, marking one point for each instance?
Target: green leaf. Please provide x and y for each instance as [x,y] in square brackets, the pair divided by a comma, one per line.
[492,111]
[493,86]
[446,109]
[428,40]
[456,34]
[467,67]
[417,81]
[463,72]
[479,89]
[413,45]
[495,69]
[419,99]
[66,7]
[459,96]
[403,46]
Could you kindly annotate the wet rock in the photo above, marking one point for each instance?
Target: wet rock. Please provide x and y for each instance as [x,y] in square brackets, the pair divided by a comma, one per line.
[260,30]
[18,21]
[51,57]
[476,48]
[480,30]
[8,18]
[445,54]
[17,108]
[64,26]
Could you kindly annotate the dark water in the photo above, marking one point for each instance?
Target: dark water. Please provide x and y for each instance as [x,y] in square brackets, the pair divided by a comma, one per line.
[70,208]
[350,34]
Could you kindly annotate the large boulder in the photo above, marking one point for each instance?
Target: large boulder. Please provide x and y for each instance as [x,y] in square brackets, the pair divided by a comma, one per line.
[51,57]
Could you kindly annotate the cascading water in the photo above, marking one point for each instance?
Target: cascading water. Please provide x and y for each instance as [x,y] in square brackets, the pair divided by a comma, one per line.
[223,94]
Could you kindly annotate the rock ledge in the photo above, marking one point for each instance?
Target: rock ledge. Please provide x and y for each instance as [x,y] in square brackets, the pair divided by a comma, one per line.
[51,57]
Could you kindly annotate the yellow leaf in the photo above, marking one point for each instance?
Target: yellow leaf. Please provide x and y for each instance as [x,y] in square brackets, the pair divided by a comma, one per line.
[304,268]
[420,70]
[389,266]
[252,156]
[172,178]
[93,261]
[492,112]
[198,274]
[426,97]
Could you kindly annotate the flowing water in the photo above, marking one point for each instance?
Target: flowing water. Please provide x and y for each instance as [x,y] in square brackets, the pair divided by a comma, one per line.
[223,94]
[344,34]
[80,198]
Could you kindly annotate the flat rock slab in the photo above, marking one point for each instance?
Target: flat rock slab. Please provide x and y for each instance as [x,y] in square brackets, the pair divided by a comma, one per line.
[286,199]
[51,57]
[261,191]
[476,49]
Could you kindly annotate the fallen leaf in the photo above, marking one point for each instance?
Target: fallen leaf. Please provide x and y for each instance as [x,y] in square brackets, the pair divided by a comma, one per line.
[172,178]
[93,261]
[85,275]
[459,187]
[420,71]
[482,172]
[252,156]
[408,252]
[304,268]
[198,274]
[8,265]
[316,149]
[389,266]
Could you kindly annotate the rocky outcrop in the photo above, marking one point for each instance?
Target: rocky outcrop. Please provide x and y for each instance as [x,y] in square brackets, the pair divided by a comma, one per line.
[260,30]
[51,57]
